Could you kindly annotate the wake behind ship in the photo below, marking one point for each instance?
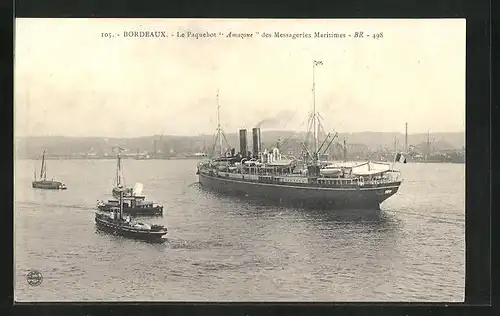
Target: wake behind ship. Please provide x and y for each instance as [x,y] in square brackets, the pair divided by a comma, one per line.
[306,181]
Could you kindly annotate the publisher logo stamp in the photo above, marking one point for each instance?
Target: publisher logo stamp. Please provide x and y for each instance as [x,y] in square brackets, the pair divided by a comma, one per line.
[34,278]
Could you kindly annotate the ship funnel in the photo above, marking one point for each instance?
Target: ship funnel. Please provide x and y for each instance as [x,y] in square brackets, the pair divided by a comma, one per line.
[243,142]
[256,142]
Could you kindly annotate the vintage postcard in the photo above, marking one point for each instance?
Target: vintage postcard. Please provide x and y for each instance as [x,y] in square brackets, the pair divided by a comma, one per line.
[239,160]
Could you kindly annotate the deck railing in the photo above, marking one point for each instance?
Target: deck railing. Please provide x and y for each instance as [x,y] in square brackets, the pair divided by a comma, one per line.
[391,176]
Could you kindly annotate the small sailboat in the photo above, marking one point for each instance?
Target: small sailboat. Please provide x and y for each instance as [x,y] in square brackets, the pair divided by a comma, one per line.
[43,183]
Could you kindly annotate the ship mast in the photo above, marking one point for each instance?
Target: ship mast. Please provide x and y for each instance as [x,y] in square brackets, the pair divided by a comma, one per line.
[315,132]
[220,133]
[219,129]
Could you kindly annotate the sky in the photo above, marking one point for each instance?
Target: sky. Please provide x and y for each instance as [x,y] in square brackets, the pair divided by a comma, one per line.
[70,80]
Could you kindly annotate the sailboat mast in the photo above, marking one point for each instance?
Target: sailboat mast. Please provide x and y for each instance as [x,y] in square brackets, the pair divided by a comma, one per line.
[219,131]
[43,174]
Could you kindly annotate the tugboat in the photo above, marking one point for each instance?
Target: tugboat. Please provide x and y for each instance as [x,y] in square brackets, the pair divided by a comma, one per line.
[114,222]
[133,203]
[43,183]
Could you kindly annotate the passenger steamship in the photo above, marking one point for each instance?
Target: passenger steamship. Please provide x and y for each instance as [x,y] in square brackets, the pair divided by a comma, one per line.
[307,181]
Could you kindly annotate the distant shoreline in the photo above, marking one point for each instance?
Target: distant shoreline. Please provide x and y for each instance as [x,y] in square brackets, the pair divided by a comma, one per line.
[168,147]
[201,158]
[264,131]
[112,158]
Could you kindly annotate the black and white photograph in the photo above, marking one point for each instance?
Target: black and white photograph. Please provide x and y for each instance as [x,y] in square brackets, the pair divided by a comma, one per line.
[239,160]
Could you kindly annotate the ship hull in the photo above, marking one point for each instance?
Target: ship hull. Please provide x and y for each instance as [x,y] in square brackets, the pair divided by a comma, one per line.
[369,197]
[109,227]
[48,185]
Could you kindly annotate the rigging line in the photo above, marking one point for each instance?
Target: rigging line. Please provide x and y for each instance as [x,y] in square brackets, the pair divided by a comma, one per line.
[225,139]
[310,126]
[290,137]
[309,136]
[324,142]
[305,150]
[291,117]
[304,121]
[216,137]
[293,134]
[330,143]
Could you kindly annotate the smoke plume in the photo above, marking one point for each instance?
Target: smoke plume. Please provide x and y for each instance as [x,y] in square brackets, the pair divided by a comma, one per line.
[279,120]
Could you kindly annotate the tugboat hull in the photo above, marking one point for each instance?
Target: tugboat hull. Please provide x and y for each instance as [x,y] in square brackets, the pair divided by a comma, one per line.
[367,197]
[134,210]
[130,232]
[48,185]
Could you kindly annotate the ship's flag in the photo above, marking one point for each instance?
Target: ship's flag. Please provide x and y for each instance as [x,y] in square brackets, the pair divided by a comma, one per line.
[400,158]
[318,63]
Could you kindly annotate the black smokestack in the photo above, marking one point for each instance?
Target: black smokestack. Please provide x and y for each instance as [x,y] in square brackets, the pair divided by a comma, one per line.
[243,142]
[256,141]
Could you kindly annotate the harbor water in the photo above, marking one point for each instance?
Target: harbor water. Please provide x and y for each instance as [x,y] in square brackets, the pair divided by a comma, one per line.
[226,249]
